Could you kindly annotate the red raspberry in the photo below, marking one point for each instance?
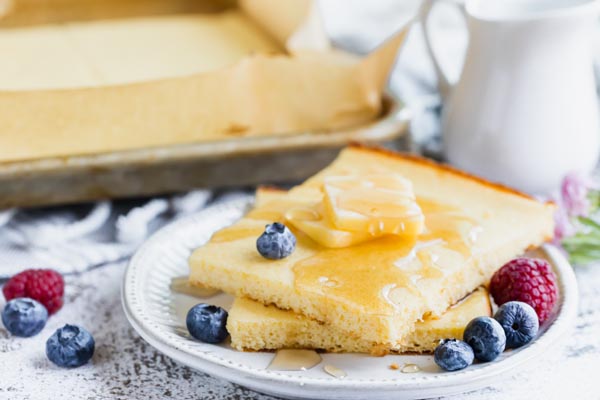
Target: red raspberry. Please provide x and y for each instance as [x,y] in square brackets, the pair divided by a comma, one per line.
[529,280]
[44,285]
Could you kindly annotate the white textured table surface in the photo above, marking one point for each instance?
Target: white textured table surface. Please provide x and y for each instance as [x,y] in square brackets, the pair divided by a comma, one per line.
[125,367]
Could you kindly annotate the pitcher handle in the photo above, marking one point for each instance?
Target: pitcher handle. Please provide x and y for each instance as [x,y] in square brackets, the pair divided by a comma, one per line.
[444,85]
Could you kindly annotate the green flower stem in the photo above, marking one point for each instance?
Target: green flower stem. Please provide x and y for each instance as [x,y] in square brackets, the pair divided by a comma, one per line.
[594,197]
[584,257]
[590,223]
[584,247]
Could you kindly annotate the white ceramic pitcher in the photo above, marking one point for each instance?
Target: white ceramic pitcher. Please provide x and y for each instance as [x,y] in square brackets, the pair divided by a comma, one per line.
[525,110]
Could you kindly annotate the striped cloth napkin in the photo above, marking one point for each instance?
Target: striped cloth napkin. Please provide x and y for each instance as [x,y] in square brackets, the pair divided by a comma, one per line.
[76,238]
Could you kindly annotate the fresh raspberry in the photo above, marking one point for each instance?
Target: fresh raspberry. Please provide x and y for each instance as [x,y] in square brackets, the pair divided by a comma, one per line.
[529,280]
[44,285]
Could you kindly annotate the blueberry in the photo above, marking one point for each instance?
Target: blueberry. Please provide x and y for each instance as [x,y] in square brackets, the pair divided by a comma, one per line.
[207,323]
[452,355]
[70,346]
[24,317]
[276,242]
[519,321]
[486,337]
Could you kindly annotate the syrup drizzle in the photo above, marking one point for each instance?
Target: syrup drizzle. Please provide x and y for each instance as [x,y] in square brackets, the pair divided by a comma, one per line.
[294,360]
[235,233]
[380,273]
[410,369]
[403,262]
[385,293]
[335,371]
[366,272]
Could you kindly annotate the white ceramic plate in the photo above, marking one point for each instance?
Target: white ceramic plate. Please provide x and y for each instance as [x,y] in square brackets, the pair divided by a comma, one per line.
[159,317]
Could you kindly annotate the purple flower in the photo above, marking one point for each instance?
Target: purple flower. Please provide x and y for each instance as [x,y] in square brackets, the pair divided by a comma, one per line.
[576,230]
[574,194]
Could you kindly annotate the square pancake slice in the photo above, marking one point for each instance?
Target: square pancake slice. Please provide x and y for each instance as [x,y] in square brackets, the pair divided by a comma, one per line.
[254,327]
[379,289]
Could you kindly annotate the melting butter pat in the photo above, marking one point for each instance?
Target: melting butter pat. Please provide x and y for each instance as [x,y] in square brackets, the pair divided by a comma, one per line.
[376,204]
[311,221]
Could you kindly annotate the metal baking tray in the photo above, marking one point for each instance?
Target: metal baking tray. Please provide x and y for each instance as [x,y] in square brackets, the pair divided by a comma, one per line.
[226,163]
